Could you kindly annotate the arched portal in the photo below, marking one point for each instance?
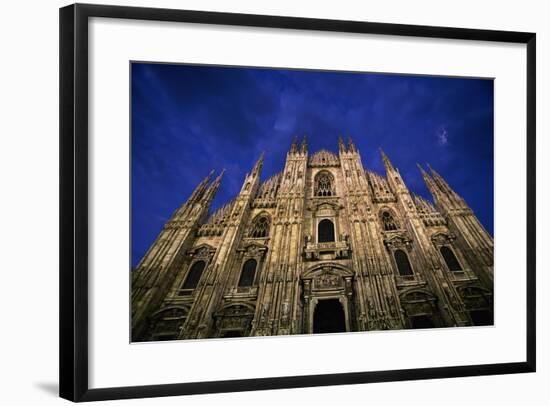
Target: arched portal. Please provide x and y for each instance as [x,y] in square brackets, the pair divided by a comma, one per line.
[327,298]
[421,309]
[166,324]
[479,304]
[234,320]
[329,317]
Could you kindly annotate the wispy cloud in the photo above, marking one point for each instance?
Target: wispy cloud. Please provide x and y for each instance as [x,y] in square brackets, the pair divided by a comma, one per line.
[442,136]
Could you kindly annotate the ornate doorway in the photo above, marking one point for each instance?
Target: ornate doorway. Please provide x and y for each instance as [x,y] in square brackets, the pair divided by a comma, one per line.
[421,310]
[479,304]
[234,320]
[327,296]
[329,317]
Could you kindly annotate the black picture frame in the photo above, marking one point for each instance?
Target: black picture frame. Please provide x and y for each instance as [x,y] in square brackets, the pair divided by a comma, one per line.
[74,169]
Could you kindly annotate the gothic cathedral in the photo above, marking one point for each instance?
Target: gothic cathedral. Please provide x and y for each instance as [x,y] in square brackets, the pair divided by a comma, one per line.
[323,246]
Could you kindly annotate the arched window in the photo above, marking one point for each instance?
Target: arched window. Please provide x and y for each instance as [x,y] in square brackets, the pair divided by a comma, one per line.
[194,275]
[403,264]
[260,227]
[450,259]
[388,221]
[325,231]
[324,184]
[248,272]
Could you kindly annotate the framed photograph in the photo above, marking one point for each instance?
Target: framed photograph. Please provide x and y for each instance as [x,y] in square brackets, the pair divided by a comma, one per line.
[257,202]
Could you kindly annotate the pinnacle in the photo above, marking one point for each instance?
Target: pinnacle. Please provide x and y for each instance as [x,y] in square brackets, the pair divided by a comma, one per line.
[294,146]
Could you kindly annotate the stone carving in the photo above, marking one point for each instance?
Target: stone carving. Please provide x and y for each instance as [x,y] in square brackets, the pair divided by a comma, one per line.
[442,239]
[324,158]
[392,305]
[235,317]
[294,272]
[398,241]
[324,184]
[202,252]
[328,281]
[264,312]
[388,221]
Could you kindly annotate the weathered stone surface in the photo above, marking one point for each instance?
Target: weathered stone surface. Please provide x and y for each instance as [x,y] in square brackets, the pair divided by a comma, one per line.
[378,265]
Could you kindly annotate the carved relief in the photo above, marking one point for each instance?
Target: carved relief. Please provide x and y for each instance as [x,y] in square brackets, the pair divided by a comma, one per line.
[235,317]
[420,304]
[398,241]
[328,277]
[324,184]
[203,252]
[389,223]
[324,158]
[475,297]
[276,223]
[328,281]
[259,228]
[252,250]
[443,239]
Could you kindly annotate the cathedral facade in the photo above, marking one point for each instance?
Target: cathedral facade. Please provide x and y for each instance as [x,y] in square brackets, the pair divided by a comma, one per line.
[323,246]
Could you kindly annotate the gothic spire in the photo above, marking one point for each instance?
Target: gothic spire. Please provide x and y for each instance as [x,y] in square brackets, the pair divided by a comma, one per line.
[199,190]
[211,191]
[341,145]
[304,145]
[387,163]
[445,188]
[438,179]
[432,187]
[351,145]
[294,146]
[258,165]
[196,195]
[422,171]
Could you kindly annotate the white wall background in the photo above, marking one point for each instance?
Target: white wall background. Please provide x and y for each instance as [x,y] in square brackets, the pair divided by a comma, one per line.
[29,202]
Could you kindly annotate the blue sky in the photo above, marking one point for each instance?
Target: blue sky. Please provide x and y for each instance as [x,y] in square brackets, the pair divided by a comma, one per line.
[188,119]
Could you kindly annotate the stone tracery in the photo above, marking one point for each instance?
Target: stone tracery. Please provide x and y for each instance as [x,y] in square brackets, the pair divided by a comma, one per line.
[268,270]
